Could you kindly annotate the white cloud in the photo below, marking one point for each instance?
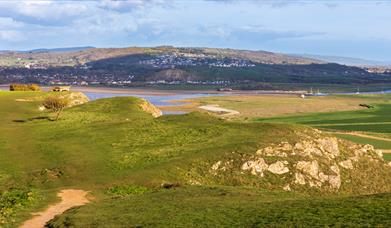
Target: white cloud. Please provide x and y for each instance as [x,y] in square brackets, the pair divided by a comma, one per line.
[130,5]
[7,22]
[11,36]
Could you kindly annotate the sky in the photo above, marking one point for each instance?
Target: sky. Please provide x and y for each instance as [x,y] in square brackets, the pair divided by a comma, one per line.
[351,28]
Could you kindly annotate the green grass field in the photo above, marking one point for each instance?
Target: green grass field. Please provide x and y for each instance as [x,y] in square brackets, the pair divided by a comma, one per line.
[231,207]
[123,155]
[377,120]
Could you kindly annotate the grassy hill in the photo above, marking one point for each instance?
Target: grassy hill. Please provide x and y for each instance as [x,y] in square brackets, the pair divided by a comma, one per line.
[174,170]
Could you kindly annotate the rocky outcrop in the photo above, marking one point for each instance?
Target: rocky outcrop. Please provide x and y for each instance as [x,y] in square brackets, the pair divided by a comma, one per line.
[256,167]
[75,98]
[316,162]
[150,108]
[278,167]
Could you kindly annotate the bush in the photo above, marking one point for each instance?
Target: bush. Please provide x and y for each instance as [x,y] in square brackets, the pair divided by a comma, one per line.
[56,104]
[13,199]
[127,190]
[25,87]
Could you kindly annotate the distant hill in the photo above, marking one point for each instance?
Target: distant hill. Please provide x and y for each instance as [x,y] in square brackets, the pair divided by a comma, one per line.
[50,50]
[177,64]
[81,55]
[346,60]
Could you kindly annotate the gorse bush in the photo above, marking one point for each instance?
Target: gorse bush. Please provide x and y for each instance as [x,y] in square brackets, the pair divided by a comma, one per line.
[56,104]
[25,87]
[13,199]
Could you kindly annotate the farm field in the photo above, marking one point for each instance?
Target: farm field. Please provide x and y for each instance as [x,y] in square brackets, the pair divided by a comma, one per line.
[135,166]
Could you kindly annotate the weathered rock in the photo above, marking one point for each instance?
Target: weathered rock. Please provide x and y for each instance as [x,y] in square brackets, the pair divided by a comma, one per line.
[272,152]
[216,165]
[335,169]
[379,154]
[329,145]
[285,146]
[322,177]
[299,179]
[287,188]
[310,168]
[314,183]
[257,167]
[150,108]
[316,163]
[278,168]
[75,98]
[335,181]
[347,164]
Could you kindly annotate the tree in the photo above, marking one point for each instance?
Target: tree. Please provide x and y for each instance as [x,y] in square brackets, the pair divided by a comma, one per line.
[56,104]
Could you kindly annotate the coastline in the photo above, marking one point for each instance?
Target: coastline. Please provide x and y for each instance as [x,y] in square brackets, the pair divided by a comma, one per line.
[157,92]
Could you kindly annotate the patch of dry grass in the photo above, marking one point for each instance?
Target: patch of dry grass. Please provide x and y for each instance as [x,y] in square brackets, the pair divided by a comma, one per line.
[275,105]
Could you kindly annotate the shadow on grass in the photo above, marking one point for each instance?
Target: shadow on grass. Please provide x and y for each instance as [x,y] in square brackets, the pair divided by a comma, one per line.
[32,119]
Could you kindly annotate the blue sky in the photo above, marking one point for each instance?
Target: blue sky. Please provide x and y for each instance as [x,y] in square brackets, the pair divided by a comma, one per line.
[341,28]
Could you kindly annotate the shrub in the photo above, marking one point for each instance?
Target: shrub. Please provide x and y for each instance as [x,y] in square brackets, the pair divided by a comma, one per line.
[56,104]
[127,190]
[12,200]
[25,87]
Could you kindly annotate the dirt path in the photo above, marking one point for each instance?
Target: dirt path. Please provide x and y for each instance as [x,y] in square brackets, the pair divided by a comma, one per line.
[349,124]
[69,198]
[386,151]
[366,136]
[217,109]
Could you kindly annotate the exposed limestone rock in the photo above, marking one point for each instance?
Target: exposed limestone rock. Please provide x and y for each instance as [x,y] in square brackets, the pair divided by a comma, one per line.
[287,188]
[335,169]
[286,146]
[323,177]
[75,98]
[256,167]
[335,181]
[329,145]
[314,183]
[310,168]
[347,164]
[216,165]
[325,163]
[379,154]
[270,151]
[150,108]
[278,168]
[299,179]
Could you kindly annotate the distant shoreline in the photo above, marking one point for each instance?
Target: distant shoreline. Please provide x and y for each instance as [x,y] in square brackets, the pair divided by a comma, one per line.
[158,92]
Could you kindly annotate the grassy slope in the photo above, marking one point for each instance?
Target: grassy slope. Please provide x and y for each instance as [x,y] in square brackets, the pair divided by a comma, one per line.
[230,207]
[111,142]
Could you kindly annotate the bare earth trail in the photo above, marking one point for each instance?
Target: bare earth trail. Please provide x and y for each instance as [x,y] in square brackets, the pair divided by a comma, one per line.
[369,137]
[69,198]
[217,109]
